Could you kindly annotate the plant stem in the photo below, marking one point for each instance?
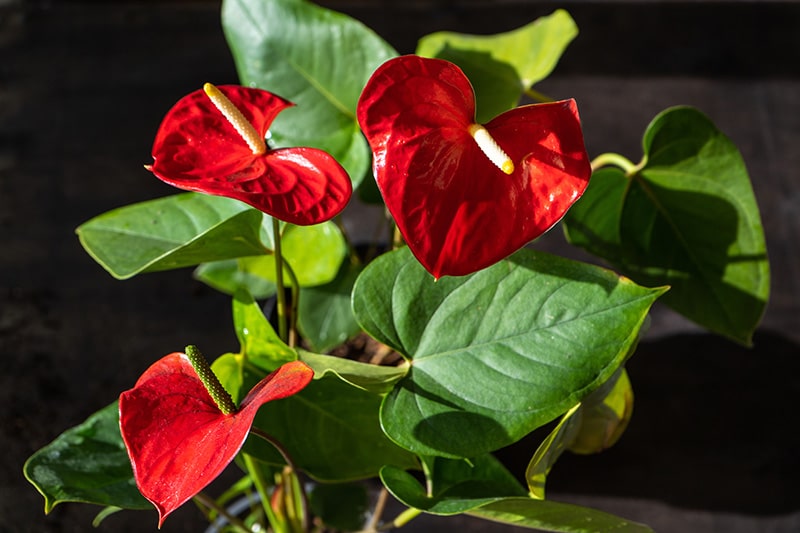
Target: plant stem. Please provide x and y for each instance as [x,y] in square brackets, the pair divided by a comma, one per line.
[292,340]
[282,322]
[277,525]
[383,495]
[539,97]
[617,160]
[405,517]
[209,502]
[288,458]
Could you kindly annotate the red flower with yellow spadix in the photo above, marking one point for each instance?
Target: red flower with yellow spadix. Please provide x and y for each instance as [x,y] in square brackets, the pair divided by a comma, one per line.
[466,195]
[181,428]
[213,141]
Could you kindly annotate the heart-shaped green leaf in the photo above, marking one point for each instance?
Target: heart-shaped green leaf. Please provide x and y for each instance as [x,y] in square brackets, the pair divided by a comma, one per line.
[502,67]
[232,275]
[687,218]
[589,427]
[604,415]
[547,515]
[549,451]
[496,354]
[260,344]
[325,315]
[374,378]
[297,50]
[315,254]
[456,485]
[172,232]
[340,506]
[87,463]
[332,430]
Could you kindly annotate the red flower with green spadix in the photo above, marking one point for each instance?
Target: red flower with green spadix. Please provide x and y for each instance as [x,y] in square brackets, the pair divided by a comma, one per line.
[213,141]
[465,195]
[181,428]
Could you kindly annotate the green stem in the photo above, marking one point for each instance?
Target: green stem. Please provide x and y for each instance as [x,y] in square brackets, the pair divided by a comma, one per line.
[209,502]
[405,517]
[288,458]
[277,525]
[295,305]
[533,94]
[617,160]
[380,505]
[282,322]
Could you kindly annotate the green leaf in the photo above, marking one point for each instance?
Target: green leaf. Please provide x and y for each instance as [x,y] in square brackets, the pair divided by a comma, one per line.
[593,222]
[87,463]
[457,485]
[374,378]
[172,232]
[589,427]
[482,487]
[341,506]
[498,353]
[603,416]
[549,451]
[228,369]
[231,275]
[332,430]
[687,218]
[502,67]
[326,317]
[315,57]
[260,345]
[552,516]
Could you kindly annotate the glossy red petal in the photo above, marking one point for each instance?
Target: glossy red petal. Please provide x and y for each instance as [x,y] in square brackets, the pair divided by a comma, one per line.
[197,149]
[177,439]
[458,212]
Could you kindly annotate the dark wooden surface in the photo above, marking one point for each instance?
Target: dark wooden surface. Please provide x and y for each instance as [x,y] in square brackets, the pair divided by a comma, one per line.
[83,86]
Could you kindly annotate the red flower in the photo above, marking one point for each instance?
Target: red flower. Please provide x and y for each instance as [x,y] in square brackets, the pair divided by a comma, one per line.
[178,439]
[465,195]
[212,141]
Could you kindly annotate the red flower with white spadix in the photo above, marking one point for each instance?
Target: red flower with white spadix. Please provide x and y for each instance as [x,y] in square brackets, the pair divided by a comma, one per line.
[213,141]
[466,195]
[181,428]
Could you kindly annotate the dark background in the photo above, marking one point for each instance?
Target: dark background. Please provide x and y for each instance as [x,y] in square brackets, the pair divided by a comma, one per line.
[83,86]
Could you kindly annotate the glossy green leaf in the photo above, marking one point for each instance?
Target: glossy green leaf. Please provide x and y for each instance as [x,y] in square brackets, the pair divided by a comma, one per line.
[687,218]
[87,463]
[173,232]
[332,430]
[325,315]
[374,378]
[498,353]
[228,369]
[591,426]
[457,486]
[603,418]
[502,67]
[260,345]
[547,515]
[297,49]
[231,275]
[549,451]
[341,506]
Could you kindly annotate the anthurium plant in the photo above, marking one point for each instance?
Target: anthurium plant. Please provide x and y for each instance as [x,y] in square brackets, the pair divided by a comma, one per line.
[410,358]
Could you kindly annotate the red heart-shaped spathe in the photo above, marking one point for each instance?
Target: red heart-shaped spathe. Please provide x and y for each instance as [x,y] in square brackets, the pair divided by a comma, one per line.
[457,211]
[177,439]
[198,149]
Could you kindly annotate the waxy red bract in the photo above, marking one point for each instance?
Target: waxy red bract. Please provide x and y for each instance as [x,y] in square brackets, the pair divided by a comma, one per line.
[198,149]
[177,438]
[457,211]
